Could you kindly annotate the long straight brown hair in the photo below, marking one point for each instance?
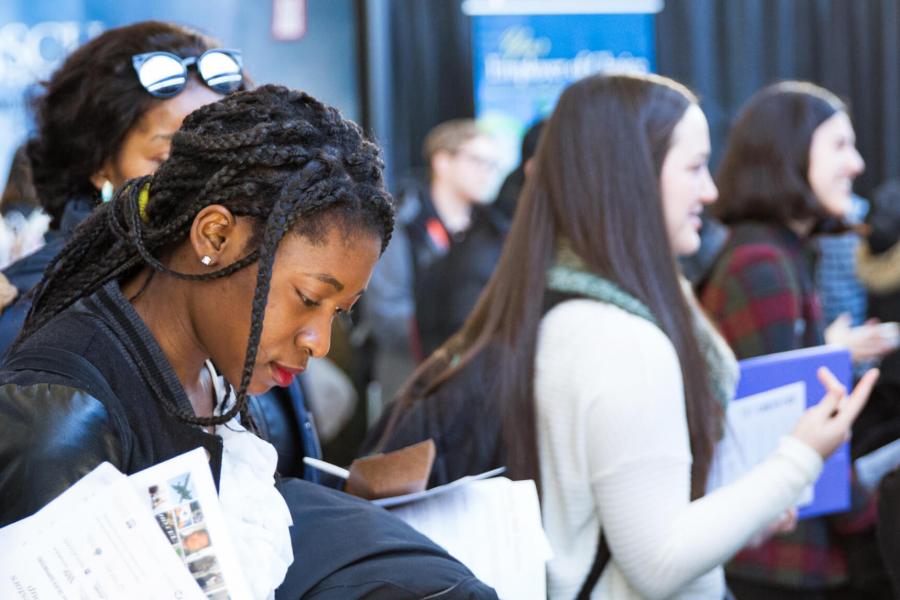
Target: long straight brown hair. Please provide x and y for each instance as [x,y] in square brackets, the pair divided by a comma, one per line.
[595,183]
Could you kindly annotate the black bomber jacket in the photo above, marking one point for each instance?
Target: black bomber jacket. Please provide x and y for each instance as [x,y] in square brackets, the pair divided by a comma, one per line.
[53,431]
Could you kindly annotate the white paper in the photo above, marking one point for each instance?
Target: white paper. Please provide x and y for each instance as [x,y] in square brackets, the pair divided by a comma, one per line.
[159,534]
[875,465]
[492,526]
[182,497]
[754,426]
[95,541]
[436,491]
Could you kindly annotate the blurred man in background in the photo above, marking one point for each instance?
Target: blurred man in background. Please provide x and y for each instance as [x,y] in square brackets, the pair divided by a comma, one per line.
[432,217]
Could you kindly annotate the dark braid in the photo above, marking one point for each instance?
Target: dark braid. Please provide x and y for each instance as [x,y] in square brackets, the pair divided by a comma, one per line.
[274,155]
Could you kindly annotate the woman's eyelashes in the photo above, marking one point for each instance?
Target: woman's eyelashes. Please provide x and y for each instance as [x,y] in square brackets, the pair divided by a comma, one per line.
[310,303]
[307,301]
[700,163]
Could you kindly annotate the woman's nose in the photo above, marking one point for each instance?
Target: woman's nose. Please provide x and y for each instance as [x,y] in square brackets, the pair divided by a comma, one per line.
[315,337]
[710,192]
[859,165]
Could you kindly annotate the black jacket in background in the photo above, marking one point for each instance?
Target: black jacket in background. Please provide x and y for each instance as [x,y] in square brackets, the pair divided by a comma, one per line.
[446,291]
[26,272]
[448,288]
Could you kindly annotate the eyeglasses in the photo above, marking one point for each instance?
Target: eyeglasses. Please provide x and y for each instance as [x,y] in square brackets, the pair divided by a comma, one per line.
[487,164]
[164,74]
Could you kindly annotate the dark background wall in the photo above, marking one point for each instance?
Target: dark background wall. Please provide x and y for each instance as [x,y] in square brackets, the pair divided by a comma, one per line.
[723,49]
[418,73]
[403,66]
[727,49]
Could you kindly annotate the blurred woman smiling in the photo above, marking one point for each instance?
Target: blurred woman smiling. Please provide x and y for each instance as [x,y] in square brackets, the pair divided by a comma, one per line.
[787,171]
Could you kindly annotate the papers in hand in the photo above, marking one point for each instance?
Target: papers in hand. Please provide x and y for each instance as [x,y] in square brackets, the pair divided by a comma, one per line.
[182,497]
[871,467]
[754,426]
[772,393]
[493,526]
[157,534]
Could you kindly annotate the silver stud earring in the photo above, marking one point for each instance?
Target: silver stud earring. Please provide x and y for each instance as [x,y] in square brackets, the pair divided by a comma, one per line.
[206,260]
[106,191]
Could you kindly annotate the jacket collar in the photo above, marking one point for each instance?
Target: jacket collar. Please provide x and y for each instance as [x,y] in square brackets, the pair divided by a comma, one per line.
[77,210]
[120,316]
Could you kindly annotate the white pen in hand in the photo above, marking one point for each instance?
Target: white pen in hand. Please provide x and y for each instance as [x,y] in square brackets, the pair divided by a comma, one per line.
[327,467]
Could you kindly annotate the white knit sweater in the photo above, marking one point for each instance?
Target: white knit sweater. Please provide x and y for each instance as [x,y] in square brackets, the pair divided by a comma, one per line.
[615,453]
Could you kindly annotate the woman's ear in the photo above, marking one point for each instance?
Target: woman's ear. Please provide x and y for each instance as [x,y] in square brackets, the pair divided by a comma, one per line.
[214,236]
[100,177]
[440,162]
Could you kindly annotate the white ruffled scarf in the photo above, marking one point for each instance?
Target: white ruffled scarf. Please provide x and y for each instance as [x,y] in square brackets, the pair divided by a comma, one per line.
[255,511]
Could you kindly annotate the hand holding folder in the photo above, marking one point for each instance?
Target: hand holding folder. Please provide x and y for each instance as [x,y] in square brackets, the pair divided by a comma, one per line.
[826,425]
[802,393]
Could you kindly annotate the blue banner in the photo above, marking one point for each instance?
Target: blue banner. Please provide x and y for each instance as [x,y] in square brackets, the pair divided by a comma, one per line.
[523,62]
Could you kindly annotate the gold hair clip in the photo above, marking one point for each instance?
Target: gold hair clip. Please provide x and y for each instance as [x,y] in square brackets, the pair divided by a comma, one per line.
[143,200]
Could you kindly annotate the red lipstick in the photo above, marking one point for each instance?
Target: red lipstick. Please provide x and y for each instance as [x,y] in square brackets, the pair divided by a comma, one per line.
[284,375]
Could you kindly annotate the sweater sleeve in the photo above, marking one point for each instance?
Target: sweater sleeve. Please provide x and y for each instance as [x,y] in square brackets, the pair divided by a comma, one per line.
[640,469]
[755,299]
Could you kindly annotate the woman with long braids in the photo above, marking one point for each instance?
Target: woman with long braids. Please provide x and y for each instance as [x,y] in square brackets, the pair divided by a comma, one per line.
[217,277]
[607,382]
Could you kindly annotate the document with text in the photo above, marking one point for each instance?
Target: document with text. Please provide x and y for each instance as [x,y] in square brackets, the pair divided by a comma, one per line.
[158,534]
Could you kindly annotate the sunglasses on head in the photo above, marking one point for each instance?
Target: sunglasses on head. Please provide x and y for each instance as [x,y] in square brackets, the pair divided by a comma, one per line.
[164,74]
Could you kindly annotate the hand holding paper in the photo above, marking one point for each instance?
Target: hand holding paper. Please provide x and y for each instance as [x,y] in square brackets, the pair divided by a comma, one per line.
[826,425]
[790,394]
[869,341]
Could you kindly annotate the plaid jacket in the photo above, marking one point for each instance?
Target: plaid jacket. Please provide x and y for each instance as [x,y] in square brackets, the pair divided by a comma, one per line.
[762,296]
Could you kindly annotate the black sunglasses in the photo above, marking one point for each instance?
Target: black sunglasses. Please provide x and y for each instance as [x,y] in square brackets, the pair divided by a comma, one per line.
[164,74]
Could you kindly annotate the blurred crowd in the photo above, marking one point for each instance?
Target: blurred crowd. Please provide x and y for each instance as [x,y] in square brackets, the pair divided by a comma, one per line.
[602,289]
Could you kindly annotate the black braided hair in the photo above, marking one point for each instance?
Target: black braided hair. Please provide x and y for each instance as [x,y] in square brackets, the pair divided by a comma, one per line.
[276,155]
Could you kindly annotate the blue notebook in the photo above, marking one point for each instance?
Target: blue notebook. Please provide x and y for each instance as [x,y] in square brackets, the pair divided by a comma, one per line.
[831,493]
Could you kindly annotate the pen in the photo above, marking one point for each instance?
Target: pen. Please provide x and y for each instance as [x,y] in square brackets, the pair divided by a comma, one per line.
[326,467]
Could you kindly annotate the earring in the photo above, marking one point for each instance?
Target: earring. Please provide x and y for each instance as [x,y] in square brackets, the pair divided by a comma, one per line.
[106,191]
[206,260]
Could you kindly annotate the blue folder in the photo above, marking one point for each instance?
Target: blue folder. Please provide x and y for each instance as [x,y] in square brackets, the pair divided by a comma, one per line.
[761,373]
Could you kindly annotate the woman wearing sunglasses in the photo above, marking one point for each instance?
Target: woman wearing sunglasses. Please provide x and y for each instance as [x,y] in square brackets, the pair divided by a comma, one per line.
[107,115]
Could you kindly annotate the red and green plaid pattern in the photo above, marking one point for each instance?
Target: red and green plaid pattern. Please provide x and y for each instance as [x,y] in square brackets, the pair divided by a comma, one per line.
[806,558]
[761,293]
[762,298]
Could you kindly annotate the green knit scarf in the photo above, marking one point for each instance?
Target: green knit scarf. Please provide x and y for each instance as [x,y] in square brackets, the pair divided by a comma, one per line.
[570,275]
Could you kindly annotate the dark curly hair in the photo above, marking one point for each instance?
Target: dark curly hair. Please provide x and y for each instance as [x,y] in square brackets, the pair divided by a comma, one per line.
[89,105]
[275,155]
